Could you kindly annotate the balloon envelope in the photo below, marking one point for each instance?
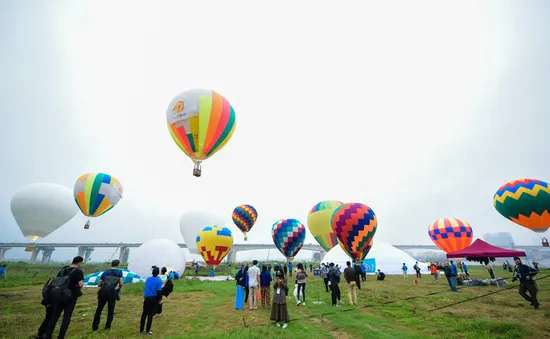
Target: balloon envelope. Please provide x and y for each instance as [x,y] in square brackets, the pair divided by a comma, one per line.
[39,209]
[451,234]
[319,224]
[355,225]
[288,236]
[214,242]
[525,202]
[156,252]
[244,217]
[191,223]
[201,122]
[97,193]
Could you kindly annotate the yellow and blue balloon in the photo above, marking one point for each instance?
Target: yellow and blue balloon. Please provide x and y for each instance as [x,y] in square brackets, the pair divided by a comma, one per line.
[214,243]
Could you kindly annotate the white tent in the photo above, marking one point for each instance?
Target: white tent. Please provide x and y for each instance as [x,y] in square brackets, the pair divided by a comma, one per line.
[387,258]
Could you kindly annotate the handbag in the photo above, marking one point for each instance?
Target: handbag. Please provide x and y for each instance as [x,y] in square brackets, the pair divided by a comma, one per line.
[259,295]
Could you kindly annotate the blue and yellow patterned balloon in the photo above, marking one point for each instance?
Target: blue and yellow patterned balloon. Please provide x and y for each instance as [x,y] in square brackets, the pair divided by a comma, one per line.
[213,243]
[288,235]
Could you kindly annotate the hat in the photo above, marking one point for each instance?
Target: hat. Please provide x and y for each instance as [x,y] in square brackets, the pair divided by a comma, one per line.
[517,258]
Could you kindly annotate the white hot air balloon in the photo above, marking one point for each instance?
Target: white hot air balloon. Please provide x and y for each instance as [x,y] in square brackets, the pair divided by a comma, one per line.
[157,252]
[191,223]
[39,209]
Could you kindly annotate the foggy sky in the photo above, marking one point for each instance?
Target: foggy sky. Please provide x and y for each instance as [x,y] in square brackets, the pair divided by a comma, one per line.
[420,111]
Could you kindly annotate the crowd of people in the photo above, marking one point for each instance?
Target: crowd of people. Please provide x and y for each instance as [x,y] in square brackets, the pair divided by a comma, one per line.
[266,284]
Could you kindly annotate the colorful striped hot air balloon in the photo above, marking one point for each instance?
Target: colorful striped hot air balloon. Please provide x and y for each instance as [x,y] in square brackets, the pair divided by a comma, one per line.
[288,235]
[213,243]
[201,122]
[451,234]
[525,202]
[318,222]
[96,193]
[355,225]
[244,217]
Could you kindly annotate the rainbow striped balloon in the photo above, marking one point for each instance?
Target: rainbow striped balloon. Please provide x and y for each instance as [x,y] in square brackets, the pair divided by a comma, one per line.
[525,202]
[451,234]
[318,222]
[244,217]
[201,122]
[355,225]
[288,235]
[97,193]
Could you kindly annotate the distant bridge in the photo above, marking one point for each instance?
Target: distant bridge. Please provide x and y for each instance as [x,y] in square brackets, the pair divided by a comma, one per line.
[85,249]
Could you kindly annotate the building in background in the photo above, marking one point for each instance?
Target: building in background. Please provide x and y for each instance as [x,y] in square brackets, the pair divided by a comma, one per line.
[501,239]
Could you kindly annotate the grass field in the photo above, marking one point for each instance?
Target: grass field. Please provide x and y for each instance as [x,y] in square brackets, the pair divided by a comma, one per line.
[205,310]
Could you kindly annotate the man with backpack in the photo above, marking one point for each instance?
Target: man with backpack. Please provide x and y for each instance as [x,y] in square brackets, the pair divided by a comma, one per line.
[64,290]
[109,286]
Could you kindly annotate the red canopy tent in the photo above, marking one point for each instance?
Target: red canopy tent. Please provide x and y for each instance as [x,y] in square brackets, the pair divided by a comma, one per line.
[481,249]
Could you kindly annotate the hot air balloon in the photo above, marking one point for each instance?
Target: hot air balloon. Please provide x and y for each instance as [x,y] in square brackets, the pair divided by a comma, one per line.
[351,255]
[525,202]
[96,193]
[201,122]
[451,234]
[318,222]
[39,209]
[355,225]
[214,242]
[244,217]
[288,235]
[191,223]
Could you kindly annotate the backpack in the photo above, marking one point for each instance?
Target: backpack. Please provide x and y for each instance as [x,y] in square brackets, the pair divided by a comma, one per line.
[109,286]
[60,287]
[168,287]
[46,293]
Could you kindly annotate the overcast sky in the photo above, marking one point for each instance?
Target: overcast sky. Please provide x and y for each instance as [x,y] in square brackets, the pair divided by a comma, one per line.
[419,110]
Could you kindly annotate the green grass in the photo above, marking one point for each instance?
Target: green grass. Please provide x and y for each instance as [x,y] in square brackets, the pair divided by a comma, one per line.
[205,310]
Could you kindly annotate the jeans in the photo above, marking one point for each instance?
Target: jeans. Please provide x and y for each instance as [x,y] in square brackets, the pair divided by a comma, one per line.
[452,283]
[67,308]
[110,312]
[326,283]
[44,327]
[149,310]
[335,289]
[301,287]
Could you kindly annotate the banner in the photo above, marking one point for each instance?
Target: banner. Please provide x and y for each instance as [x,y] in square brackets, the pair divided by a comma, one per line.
[370,264]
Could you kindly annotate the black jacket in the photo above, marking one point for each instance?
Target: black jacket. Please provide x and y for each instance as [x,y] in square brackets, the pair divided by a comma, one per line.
[522,272]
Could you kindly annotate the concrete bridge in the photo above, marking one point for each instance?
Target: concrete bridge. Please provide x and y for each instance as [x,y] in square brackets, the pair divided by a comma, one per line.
[86,249]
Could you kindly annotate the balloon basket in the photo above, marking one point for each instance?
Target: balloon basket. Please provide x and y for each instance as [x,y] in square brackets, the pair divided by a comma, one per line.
[197,170]
[87,225]
[29,248]
[245,238]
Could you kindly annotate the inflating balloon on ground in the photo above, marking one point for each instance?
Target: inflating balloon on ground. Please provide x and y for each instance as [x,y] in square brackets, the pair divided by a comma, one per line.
[214,243]
[355,225]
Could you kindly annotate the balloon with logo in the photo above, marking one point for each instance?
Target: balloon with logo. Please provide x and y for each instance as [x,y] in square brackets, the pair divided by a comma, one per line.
[213,243]
[526,202]
[244,217]
[96,194]
[355,225]
[319,224]
[451,234]
[288,235]
[41,208]
[201,122]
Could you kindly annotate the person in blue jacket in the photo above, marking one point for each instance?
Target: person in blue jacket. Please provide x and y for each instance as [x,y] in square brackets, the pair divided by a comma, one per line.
[152,296]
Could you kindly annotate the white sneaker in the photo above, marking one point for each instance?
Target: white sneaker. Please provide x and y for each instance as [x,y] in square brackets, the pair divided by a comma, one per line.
[298,303]
[278,325]
[304,303]
[285,325]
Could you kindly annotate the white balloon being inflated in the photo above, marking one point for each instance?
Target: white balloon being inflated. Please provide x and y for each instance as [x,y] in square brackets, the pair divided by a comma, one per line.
[39,209]
[191,223]
[157,252]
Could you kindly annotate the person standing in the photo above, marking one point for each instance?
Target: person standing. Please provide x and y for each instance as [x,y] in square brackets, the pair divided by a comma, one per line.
[301,276]
[334,279]
[465,268]
[246,289]
[290,269]
[350,274]
[152,294]
[417,270]
[265,283]
[324,275]
[435,272]
[404,268]
[241,286]
[110,285]
[450,277]
[73,277]
[525,275]
[197,268]
[310,268]
[363,271]
[3,269]
[164,278]
[253,285]
[279,310]
[535,264]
